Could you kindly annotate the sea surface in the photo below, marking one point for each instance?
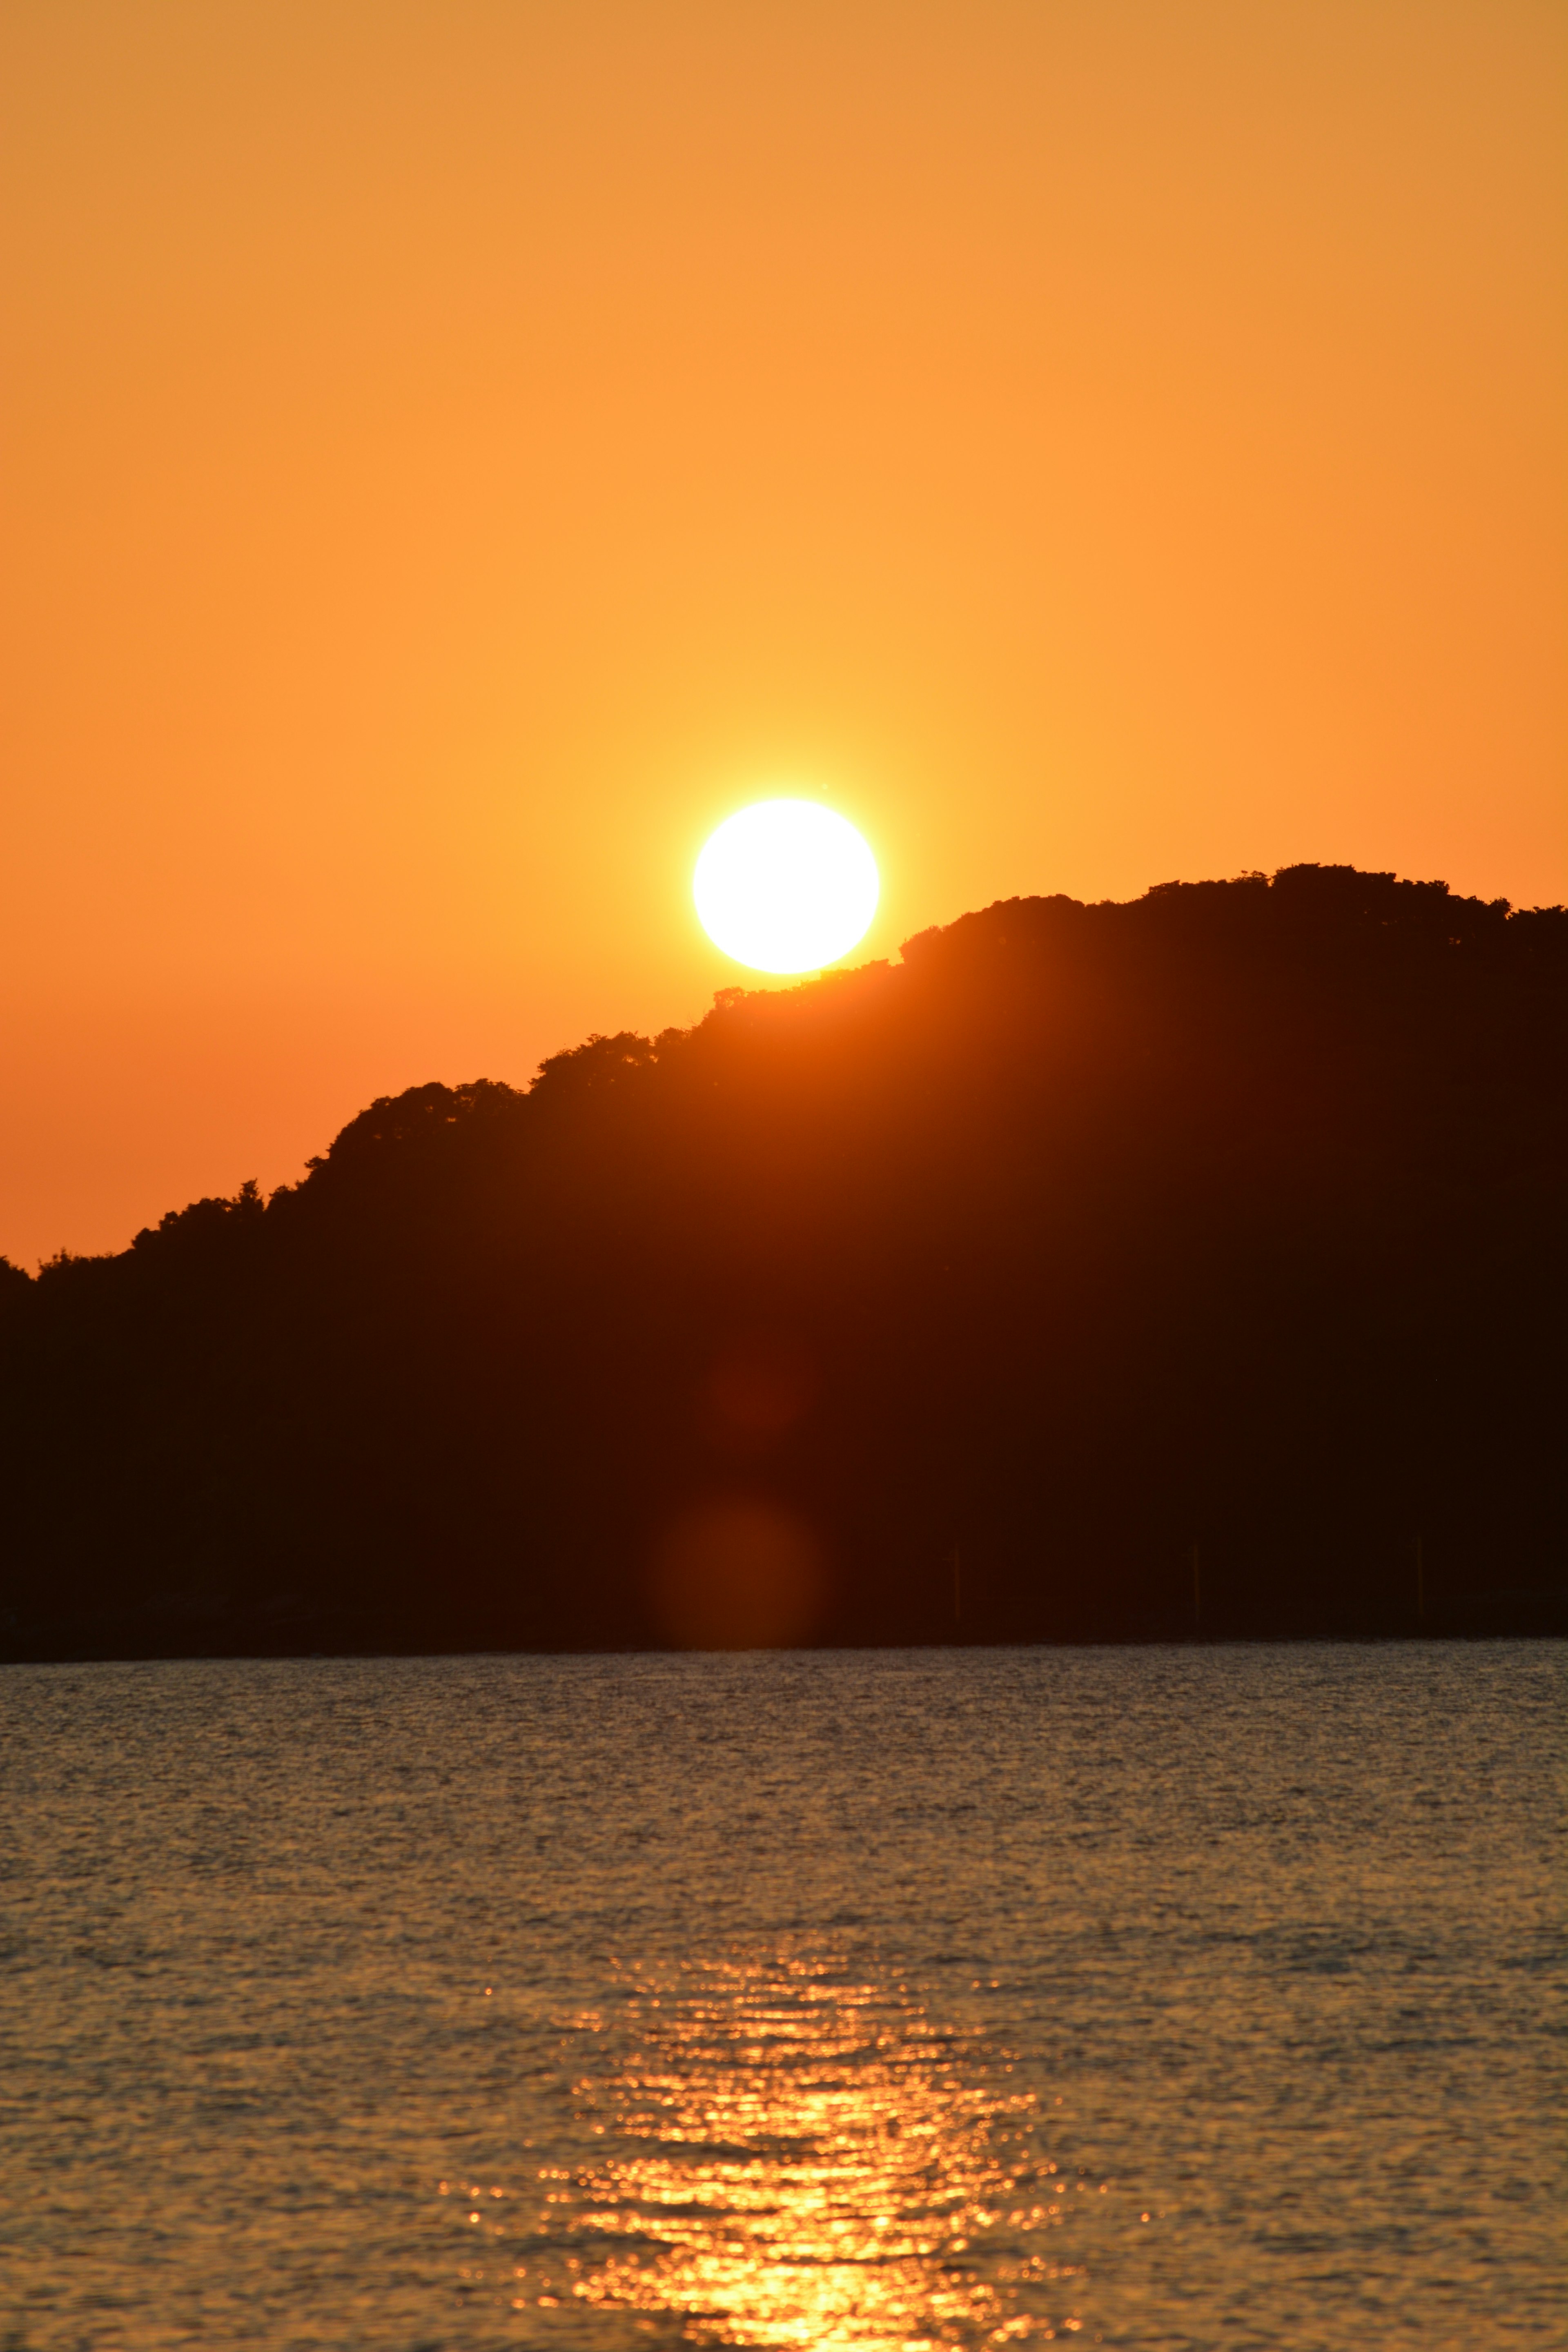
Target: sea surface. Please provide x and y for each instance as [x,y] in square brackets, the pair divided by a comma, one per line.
[1151,1997]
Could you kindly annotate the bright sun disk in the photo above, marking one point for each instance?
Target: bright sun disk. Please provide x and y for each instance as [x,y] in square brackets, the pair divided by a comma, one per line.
[785,885]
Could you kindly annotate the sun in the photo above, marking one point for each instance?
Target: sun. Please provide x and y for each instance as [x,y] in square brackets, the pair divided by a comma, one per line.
[785,885]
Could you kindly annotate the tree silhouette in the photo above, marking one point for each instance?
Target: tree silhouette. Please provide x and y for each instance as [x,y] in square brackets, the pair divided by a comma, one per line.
[1235,1216]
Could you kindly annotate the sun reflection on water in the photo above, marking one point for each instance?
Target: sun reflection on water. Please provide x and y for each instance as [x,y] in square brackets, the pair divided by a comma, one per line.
[794,2158]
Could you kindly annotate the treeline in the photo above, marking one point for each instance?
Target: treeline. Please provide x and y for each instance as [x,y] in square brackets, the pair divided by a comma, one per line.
[1107,1271]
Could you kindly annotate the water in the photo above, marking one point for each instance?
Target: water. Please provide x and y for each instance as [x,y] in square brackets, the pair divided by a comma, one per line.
[1147,1997]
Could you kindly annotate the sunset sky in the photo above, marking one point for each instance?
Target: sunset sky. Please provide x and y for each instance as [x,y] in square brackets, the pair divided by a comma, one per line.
[457,451]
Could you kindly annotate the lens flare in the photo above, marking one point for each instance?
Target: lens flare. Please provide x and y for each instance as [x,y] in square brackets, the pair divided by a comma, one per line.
[738,1574]
[785,885]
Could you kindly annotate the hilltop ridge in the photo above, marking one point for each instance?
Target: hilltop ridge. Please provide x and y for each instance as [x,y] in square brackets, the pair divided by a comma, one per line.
[961,1297]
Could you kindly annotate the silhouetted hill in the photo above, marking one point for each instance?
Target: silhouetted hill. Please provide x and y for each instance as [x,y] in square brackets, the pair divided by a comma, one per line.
[990,1283]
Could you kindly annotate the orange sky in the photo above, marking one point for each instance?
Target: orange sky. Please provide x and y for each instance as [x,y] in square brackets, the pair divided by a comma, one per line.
[457,450]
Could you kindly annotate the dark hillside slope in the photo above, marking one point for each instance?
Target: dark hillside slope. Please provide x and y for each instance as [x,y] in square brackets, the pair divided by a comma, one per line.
[961,1297]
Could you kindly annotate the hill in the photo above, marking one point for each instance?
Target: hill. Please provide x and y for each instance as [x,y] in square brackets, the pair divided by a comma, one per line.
[1095,1272]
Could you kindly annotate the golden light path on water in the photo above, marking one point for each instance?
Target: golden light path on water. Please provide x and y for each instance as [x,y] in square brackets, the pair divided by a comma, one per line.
[792,2159]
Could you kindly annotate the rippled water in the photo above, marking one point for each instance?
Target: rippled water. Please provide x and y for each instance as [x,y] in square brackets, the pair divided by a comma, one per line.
[1147,1997]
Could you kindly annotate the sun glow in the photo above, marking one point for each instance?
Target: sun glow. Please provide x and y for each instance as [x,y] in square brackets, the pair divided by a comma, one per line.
[785,885]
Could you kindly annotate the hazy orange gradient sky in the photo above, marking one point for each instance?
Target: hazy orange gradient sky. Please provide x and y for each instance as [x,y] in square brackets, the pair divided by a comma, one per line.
[457,451]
